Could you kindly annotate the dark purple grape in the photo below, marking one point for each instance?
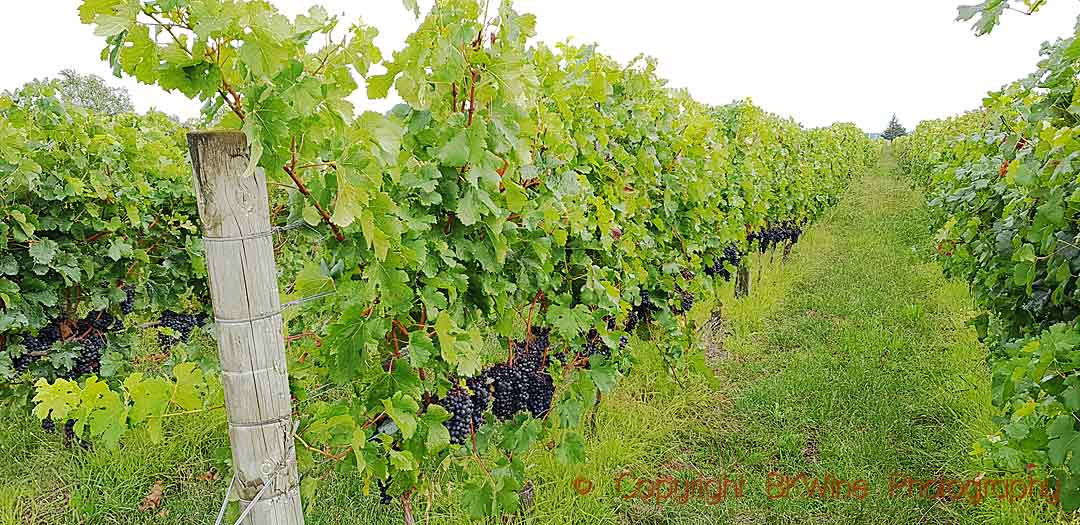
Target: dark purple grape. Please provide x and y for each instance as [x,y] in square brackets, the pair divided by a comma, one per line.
[128,305]
[458,403]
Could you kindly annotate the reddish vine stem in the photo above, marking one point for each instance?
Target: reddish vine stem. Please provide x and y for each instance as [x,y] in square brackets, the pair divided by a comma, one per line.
[321,452]
[528,326]
[472,97]
[96,236]
[291,170]
[302,335]
[375,420]
[453,92]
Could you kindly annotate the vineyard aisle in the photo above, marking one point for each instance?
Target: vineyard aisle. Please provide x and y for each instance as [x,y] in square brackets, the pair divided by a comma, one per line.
[851,360]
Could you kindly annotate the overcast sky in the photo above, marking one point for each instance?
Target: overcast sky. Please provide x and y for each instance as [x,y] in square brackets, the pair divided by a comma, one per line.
[817,61]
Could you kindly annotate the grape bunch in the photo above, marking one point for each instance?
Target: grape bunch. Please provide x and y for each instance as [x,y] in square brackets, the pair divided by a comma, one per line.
[128,305]
[70,437]
[36,347]
[731,256]
[529,354]
[541,390]
[481,397]
[49,425]
[685,301]
[86,333]
[641,313]
[775,235]
[91,347]
[384,487]
[182,323]
[594,345]
[509,390]
[459,404]
[516,389]
[102,321]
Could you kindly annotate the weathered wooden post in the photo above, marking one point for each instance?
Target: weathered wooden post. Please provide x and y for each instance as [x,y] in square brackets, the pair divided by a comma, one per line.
[235,215]
[742,281]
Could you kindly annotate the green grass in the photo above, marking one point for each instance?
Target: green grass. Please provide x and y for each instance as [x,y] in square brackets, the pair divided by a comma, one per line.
[851,358]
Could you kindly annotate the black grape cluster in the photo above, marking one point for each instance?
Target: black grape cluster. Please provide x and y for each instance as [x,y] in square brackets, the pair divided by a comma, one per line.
[685,301]
[128,305]
[182,323]
[49,426]
[595,345]
[507,388]
[87,333]
[480,389]
[36,347]
[510,390]
[529,354]
[88,361]
[775,235]
[384,496]
[541,392]
[525,384]
[459,404]
[641,313]
[731,256]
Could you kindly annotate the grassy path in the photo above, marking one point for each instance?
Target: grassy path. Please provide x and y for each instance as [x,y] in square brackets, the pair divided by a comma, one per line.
[851,360]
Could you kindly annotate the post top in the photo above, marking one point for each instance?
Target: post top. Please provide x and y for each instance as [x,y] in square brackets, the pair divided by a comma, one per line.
[215,132]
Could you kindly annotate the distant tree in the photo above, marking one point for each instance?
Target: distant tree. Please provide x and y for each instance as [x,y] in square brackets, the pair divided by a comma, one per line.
[91,92]
[894,130]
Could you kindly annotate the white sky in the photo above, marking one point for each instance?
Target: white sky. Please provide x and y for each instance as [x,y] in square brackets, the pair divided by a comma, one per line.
[817,61]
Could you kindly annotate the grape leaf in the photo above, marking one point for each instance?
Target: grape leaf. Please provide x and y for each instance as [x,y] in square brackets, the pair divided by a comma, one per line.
[571,449]
[44,251]
[402,409]
[55,400]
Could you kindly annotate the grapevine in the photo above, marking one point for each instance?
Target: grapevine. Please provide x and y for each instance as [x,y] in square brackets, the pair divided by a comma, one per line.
[1001,185]
[538,197]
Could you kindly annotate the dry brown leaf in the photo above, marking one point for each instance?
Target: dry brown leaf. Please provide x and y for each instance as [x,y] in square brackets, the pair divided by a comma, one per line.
[209,475]
[153,499]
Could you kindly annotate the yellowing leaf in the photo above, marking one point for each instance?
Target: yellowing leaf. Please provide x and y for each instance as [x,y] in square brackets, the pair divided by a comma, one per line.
[55,400]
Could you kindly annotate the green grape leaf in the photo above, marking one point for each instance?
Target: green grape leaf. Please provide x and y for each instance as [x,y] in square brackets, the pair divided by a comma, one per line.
[44,251]
[603,374]
[402,409]
[119,249]
[421,348]
[456,152]
[190,386]
[359,443]
[402,460]
[571,450]
[520,434]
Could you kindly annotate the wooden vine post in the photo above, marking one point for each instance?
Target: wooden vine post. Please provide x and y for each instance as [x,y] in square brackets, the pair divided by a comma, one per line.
[742,281]
[235,216]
